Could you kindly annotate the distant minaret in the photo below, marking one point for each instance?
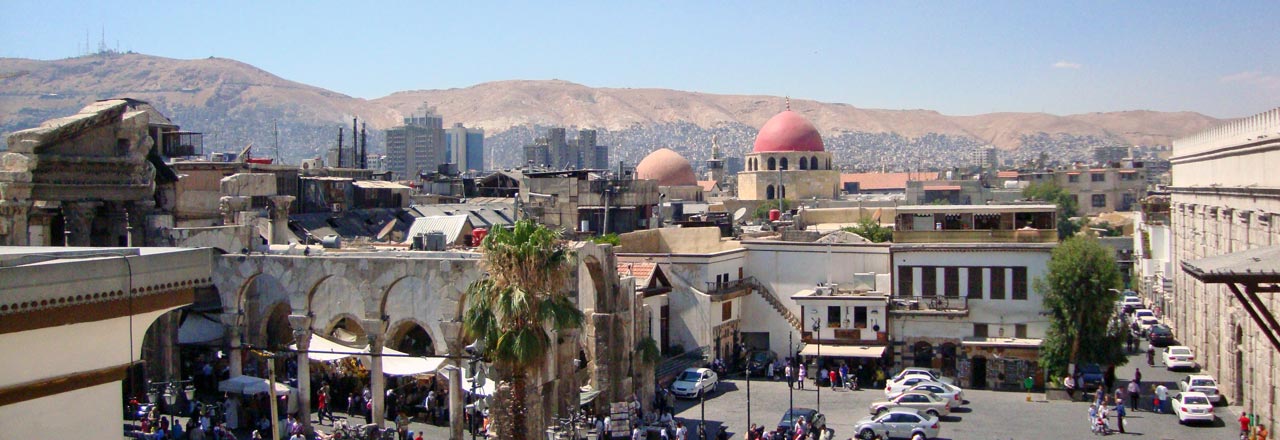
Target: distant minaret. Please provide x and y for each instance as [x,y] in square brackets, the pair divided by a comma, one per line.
[715,167]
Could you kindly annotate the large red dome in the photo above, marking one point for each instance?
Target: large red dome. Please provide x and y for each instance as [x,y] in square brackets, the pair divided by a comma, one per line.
[787,131]
[669,168]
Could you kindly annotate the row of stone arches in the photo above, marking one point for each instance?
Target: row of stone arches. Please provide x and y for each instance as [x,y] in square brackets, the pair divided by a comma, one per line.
[805,163]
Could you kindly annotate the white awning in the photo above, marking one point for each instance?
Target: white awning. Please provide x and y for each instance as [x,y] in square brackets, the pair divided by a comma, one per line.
[844,351]
[487,390]
[324,350]
[395,364]
[199,329]
[253,385]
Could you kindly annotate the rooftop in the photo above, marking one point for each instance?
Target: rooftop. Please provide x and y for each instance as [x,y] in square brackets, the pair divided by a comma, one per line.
[959,209]
[1260,265]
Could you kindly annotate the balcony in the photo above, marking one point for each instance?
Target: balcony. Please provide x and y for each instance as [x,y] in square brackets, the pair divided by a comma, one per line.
[848,336]
[935,305]
[729,290]
[977,236]
[183,144]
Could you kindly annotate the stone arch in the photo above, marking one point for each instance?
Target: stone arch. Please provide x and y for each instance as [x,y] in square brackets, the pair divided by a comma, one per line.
[276,331]
[603,299]
[949,352]
[333,296]
[768,192]
[804,163]
[813,162]
[772,164]
[411,336]
[348,323]
[828,163]
[782,163]
[409,297]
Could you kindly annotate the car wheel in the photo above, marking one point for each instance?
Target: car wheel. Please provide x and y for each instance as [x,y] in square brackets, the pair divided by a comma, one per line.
[934,413]
[881,411]
[866,434]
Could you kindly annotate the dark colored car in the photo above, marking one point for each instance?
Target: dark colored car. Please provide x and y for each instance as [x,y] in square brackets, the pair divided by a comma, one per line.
[1160,335]
[816,420]
[1090,376]
[758,361]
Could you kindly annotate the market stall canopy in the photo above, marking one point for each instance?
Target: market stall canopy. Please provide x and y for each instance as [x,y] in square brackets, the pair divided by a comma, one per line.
[396,363]
[324,350]
[844,351]
[199,329]
[586,396]
[253,385]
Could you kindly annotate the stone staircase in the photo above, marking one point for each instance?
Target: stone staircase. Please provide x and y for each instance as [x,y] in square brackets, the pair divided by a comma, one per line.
[777,304]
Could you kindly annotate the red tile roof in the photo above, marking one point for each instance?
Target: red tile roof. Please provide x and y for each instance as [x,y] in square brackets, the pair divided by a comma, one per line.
[882,181]
[642,271]
[942,187]
[707,185]
[1007,174]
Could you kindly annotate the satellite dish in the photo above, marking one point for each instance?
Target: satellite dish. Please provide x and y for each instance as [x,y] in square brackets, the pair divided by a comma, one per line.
[739,214]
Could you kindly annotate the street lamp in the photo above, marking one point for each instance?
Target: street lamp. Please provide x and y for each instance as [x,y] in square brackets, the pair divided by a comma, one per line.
[475,353]
[169,392]
[744,349]
[791,401]
[818,363]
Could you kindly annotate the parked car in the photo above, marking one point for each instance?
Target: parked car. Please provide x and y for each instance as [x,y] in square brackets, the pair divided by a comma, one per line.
[1160,335]
[789,418]
[945,391]
[899,422]
[694,382]
[1192,407]
[758,362]
[1143,313]
[926,402]
[1179,356]
[893,388]
[935,374]
[1145,323]
[1201,383]
[1130,303]
[1090,376]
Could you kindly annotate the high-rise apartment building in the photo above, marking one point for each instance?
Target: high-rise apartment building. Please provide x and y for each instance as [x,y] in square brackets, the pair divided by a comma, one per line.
[556,151]
[417,146]
[466,147]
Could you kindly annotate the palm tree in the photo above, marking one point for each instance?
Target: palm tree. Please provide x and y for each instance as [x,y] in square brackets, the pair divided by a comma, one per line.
[516,303]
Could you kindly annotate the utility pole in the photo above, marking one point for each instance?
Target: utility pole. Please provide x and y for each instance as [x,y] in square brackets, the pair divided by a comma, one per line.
[339,164]
[354,140]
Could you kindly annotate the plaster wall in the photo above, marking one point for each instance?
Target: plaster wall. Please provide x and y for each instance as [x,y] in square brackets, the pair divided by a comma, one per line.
[994,312]
[81,414]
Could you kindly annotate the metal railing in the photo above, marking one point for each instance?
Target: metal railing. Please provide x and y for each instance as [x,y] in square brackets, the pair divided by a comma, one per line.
[720,288]
[929,304]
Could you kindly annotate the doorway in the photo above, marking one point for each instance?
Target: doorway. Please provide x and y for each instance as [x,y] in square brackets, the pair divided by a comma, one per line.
[978,376]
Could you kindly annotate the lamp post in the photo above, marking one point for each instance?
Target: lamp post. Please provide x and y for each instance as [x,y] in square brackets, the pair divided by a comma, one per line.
[791,401]
[702,404]
[168,392]
[744,349]
[818,363]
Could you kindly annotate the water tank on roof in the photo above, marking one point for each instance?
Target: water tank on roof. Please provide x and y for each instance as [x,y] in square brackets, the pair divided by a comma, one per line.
[331,241]
[477,235]
[434,241]
[774,215]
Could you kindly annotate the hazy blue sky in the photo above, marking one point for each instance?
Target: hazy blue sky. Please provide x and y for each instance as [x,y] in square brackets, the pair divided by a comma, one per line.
[1221,58]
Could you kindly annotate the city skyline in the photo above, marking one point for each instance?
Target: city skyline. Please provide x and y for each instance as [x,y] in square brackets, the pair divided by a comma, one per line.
[956,58]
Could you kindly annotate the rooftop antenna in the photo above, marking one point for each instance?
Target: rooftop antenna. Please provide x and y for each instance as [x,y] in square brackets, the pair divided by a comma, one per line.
[275,138]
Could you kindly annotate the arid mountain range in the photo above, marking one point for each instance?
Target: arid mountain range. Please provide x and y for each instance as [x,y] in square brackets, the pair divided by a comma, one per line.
[235,103]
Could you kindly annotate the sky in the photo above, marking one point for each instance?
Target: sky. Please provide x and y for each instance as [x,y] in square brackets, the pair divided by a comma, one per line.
[1220,58]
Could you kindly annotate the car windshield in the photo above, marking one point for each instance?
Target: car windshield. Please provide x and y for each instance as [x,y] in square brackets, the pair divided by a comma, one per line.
[1179,351]
[789,417]
[1090,369]
[1195,400]
[760,357]
[1150,320]
[689,376]
[1203,383]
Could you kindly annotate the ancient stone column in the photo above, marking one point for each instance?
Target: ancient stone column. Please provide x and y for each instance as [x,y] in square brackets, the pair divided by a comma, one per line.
[302,336]
[232,322]
[137,222]
[230,206]
[452,331]
[78,222]
[280,218]
[116,217]
[378,383]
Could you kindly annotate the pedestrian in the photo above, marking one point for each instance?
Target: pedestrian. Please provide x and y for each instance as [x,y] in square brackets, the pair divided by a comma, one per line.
[1120,415]
[790,377]
[1134,392]
[832,377]
[1120,395]
[1162,395]
[802,376]
[1244,424]
[1070,384]
[682,433]
[1151,356]
[322,399]
[771,367]
[1137,376]
[1262,432]
[879,377]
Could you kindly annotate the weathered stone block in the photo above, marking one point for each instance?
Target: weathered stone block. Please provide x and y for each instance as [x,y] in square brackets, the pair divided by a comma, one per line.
[248,184]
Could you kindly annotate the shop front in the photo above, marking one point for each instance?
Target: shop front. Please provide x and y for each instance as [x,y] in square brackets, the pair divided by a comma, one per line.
[999,363]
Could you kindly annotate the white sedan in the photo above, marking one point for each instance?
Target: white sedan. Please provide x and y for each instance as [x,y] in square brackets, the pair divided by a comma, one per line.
[896,387]
[694,382]
[1201,383]
[945,391]
[1192,407]
[1179,356]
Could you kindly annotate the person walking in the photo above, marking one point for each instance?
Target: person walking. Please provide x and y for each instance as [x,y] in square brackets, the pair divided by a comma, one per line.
[1162,395]
[1137,376]
[804,374]
[1244,424]
[1134,392]
[791,381]
[831,376]
[1120,415]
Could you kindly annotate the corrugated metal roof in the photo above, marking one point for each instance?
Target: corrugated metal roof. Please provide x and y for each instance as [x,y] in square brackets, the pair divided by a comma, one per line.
[378,184]
[451,225]
[1261,265]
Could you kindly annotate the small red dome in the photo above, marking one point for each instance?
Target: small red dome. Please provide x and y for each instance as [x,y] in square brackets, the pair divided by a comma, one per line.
[669,168]
[787,131]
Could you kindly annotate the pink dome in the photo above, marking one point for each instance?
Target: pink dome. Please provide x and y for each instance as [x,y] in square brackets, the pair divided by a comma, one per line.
[669,168]
[787,131]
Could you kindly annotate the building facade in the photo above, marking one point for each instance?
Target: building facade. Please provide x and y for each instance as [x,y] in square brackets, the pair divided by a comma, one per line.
[557,152]
[1225,198]
[417,146]
[466,147]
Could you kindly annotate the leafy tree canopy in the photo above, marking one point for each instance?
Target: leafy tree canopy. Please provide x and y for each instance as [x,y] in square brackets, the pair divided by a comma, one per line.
[762,211]
[1081,305]
[1067,206]
[871,230]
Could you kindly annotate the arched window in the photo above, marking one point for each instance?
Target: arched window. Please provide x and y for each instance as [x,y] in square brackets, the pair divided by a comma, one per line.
[768,192]
[782,191]
[828,163]
[772,164]
[782,164]
[751,165]
[804,164]
[813,162]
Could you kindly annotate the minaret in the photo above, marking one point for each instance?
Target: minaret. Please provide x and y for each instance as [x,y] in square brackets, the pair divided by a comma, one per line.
[715,167]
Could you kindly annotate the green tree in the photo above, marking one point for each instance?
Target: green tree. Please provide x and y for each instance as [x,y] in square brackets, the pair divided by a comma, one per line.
[610,238]
[1077,293]
[1067,206]
[762,211]
[514,306]
[871,230]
